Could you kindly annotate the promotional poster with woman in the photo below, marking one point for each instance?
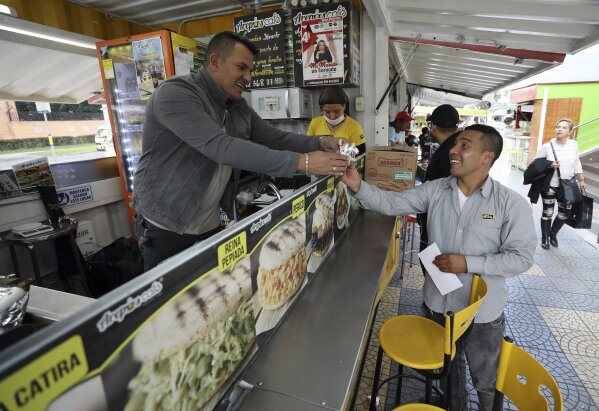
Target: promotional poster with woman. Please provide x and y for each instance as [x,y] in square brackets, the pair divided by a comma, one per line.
[322,50]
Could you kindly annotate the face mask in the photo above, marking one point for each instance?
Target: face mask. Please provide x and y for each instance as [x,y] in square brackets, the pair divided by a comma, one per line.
[335,122]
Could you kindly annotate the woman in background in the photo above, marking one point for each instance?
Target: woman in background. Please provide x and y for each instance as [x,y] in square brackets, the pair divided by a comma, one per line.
[566,151]
[333,102]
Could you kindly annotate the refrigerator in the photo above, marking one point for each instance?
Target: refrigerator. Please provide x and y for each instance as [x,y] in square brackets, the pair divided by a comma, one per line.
[132,68]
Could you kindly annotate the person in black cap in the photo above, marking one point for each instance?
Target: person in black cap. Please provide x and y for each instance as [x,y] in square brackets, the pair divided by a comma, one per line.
[444,129]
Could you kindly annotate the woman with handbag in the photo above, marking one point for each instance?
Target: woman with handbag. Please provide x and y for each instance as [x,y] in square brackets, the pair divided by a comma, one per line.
[563,154]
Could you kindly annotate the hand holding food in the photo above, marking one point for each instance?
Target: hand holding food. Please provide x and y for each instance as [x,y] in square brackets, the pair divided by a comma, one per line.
[325,163]
[332,144]
[352,178]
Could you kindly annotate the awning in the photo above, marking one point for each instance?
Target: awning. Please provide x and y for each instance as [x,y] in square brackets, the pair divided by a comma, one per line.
[475,47]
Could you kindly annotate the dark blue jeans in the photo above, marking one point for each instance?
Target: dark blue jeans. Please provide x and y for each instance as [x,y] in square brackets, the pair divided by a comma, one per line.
[480,347]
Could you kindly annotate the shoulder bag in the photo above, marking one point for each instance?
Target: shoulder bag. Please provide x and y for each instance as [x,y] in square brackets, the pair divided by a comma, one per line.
[568,191]
[581,215]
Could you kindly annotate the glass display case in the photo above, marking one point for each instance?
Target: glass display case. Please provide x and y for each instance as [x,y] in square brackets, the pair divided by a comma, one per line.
[132,68]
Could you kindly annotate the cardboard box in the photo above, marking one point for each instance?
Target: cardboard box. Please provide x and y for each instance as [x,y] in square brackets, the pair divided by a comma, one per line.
[391,167]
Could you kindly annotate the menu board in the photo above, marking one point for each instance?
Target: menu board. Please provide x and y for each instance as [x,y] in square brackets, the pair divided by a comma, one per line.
[189,326]
[266,30]
[322,43]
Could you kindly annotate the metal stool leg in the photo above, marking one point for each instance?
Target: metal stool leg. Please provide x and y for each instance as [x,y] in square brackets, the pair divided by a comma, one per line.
[36,266]
[412,249]
[15,261]
[399,384]
[375,382]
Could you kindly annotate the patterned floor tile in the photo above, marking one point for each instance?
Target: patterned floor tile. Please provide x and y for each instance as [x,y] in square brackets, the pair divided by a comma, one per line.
[555,268]
[518,295]
[563,318]
[533,334]
[578,343]
[535,270]
[411,310]
[587,369]
[576,396]
[413,281]
[566,249]
[582,302]
[411,297]
[585,249]
[581,263]
[595,395]
[391,295]
[590,319]
[536,282]
[523,313]
[587,275]
[549,298]
[576,287]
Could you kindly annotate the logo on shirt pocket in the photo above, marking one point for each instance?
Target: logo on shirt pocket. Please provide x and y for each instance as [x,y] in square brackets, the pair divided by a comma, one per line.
[488,216]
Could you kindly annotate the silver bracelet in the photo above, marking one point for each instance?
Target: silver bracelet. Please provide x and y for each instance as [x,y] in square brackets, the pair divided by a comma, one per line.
[306,154]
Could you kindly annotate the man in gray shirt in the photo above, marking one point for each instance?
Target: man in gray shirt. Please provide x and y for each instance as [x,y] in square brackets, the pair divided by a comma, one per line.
[197,133]
[480,227]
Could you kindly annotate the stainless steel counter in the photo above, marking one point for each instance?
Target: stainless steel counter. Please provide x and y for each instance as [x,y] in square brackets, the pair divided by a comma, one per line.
[313,359]
[54,305]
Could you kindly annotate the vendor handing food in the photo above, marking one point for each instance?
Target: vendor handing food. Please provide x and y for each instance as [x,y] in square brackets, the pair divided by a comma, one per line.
[197,133]
[333,102]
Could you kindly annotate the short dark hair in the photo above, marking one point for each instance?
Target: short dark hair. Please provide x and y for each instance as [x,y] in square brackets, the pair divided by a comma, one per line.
[224,42]
[491,139]
[333,95]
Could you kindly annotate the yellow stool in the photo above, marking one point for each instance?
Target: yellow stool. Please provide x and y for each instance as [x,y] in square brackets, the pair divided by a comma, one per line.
[418,407]
[422,344]
[514,363]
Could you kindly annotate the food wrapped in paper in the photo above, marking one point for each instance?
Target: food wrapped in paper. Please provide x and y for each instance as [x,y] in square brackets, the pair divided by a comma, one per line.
[14,295]
[349,150]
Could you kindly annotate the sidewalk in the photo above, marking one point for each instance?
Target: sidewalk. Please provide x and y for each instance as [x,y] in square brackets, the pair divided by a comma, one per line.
[552,312]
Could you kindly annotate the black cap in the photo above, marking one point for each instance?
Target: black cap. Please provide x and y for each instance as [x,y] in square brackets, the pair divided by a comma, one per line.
[444,116]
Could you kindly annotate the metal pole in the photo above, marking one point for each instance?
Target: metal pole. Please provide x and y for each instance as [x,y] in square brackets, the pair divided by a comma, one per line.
[50,140]
[542,120]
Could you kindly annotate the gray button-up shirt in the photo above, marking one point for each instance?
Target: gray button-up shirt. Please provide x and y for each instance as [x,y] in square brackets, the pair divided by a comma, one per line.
[494,231]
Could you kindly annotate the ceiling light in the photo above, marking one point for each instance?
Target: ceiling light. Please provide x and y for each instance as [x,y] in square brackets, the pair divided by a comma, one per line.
[46,37]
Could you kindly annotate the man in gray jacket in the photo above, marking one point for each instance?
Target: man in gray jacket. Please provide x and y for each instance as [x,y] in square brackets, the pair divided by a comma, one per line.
[480,227]
[197,133]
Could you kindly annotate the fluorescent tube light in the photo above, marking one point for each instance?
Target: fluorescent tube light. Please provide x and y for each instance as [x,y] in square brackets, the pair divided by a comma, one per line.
[46,37]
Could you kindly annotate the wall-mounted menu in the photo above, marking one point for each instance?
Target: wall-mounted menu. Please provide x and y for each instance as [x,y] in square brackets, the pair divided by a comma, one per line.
[266,30]
[322,45]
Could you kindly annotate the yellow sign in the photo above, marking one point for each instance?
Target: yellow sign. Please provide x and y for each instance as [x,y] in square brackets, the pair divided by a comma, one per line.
[330,184]
[232,251]
[108,69]
[298,206]
[36,385]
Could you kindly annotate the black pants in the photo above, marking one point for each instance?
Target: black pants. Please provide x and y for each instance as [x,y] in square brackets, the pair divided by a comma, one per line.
[157,244]
[549,199]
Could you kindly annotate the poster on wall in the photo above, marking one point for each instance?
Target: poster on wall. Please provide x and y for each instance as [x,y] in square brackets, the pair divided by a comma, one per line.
[33,173]
[322,45]
[267,31]
[149,65]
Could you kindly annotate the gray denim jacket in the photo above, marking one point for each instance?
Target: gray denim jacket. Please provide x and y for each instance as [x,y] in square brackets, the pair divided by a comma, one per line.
[184,139]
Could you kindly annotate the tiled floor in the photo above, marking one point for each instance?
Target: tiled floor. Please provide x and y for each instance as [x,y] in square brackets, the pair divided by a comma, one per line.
[552,312]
